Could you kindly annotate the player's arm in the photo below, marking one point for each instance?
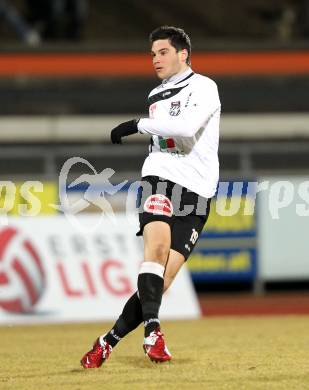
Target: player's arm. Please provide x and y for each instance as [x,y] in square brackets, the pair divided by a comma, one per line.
[194,113]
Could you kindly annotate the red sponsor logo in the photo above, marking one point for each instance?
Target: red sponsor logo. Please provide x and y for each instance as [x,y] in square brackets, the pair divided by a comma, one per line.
[22,276]
[159,204]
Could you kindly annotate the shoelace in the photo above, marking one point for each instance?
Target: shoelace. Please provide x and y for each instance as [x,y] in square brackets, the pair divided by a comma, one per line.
[154,336]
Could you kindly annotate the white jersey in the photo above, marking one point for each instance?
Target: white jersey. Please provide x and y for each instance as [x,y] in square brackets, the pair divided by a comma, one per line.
[184,117]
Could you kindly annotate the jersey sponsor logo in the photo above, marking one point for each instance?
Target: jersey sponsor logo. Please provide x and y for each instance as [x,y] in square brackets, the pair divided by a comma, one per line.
[175,108]
[158,204]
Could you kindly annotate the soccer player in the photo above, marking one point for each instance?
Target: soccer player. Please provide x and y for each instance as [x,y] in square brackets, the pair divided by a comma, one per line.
[179,177]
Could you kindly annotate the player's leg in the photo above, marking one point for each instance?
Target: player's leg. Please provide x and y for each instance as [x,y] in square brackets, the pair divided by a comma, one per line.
[157,241]
[154,344]
[129,319]
[175,261]
[185,234]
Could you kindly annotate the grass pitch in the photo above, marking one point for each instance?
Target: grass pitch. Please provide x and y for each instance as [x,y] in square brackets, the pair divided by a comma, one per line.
[212,353]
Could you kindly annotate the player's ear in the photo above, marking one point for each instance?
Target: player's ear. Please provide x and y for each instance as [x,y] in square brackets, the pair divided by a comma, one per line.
[184,55]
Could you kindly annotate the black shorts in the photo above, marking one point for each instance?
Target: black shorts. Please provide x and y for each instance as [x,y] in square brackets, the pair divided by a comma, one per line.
[185,211]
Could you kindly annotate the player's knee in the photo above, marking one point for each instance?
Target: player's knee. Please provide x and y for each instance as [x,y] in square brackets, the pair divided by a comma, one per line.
[160,251]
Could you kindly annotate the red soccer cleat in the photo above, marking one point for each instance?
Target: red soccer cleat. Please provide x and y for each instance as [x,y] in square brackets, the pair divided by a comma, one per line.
[97,355]
[154,346]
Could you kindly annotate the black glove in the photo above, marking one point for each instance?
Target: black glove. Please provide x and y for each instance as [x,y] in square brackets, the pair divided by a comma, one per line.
[124,129]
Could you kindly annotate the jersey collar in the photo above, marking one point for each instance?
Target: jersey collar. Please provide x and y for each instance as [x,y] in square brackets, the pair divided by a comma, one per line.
[177,78]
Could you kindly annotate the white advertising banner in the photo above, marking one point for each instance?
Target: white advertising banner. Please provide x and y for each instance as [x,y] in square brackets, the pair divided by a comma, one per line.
[50,271]
[283,228]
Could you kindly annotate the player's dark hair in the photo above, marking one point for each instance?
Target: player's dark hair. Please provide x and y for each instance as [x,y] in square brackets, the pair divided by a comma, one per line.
[176,36]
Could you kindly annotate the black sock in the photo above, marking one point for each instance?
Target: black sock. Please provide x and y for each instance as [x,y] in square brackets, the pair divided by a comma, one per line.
[129,319]
[150,289]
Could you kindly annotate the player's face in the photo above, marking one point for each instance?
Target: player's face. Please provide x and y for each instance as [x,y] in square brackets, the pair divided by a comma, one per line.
[166,60]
